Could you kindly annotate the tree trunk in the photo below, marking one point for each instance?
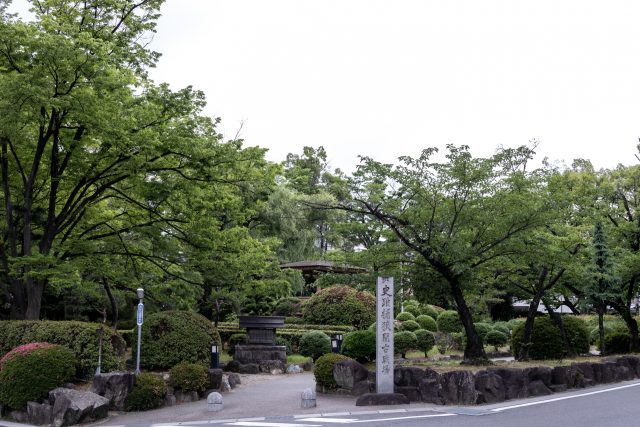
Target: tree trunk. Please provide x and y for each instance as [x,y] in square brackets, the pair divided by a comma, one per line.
[601,329]
[557,319]
[625,312]
[474,350]
[114,304]
[34,299]
[528,327]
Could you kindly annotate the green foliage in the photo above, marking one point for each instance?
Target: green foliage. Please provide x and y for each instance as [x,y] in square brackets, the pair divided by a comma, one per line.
[449,321]
[617,342]
[360,345]
[546,339]
[323,369]
[234,340]
[314,344]
[30,375]
[280,340]
[340,305]
[482,329]
[496,338]
[413,307]
[409,325]
[401,317]
[514,323]
[189,377]
[430,310]
[404,341]
[171,337]
[502,327]
[148,393]
[425,340]
[287,307]
[427,322]
[80,337]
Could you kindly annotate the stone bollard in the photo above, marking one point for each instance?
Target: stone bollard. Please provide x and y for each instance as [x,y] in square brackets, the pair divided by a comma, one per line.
[308,398]
[214,402]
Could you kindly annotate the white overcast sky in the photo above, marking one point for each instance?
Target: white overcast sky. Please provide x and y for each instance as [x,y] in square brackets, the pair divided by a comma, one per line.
[389,77]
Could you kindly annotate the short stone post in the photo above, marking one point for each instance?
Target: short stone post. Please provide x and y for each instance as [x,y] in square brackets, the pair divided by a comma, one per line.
[308,398]
[214,402]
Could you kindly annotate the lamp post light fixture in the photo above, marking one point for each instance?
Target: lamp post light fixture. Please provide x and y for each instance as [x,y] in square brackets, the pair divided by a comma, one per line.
[215,356]
[139,321]
[336,343]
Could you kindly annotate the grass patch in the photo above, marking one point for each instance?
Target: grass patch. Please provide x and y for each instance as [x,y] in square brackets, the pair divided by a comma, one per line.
[297,359]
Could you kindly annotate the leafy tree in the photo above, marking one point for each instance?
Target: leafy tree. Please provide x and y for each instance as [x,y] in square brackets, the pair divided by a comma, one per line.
[457,215]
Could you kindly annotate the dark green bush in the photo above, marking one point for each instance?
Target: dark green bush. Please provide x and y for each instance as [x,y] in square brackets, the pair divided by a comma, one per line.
[546,340]
[409,325]
[513,323]
[171,337]
[413,307]
[496,338]
[617,343]
[79,337]
[148,393]
[404,316]
[280,340]
[360,345]
[425,340]
[234,340]
[292,320]
[323,370]
[427,322]
[29,375]
[429,310]
[404,341]
[189,377]
[287,306]
[449,321]
[129,336]
[314,344]
[340,305]
[482,329]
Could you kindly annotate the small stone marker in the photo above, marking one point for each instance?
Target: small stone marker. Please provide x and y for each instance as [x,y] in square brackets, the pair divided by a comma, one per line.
[308,398]
[214,402]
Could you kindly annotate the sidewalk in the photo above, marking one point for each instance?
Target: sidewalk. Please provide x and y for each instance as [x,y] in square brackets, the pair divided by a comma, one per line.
[257,396]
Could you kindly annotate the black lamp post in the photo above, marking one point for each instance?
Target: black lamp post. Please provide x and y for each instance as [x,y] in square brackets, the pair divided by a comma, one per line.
[215,356]
[336,343]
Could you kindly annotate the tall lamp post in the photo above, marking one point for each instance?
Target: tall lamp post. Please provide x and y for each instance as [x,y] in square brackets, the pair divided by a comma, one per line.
[139,319]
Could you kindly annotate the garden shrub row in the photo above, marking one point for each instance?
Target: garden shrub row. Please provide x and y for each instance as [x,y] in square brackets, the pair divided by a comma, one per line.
[546,339]
[79,337]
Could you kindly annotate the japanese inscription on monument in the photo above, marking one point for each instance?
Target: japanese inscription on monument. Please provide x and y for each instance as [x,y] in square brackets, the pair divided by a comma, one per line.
[384,335]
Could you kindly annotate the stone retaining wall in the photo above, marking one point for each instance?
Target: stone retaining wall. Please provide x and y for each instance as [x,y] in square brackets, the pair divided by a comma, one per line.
[491,385]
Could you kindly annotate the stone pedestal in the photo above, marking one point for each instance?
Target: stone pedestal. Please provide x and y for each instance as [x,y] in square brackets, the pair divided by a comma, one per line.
[256,353]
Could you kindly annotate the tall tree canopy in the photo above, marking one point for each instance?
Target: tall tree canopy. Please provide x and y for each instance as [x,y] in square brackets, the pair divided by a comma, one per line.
[98,161]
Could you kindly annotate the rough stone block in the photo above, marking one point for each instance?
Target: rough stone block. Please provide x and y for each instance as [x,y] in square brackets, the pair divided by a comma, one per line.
[430,389]
[73,406]
[408,376]
[234,380]
[308,398]
[490,387]
[115,386]
[349,372]
[515,382]
[294,369]
[39,413]
[363,387]
[375,399]
[538,388]
[214,379]
[249,368]
[458,388]
[412,393]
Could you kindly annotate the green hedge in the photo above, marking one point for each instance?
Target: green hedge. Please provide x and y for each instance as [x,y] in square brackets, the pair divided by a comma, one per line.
[340,305]
[171,337]
[80,337]
[546,340]
[449,321]
[360,345]
[323,369]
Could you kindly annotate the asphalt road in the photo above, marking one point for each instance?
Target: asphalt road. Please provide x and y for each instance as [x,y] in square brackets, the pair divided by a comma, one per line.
[614,406]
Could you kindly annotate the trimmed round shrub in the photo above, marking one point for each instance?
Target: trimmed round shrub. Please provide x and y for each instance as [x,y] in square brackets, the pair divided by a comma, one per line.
[189,377]
[449,321]
[409,325]
[427,322]
[425,340]
[79,337]
[404,316]
[482,329]
[234,340]
[413,307]
[30,372]
[513,323]
[502,327]
[286,306]
[148,393]
[284,342]
[360,345]
[314,344]
[171,337]
[404,341]
[340,305]
[546,339]
[429,310]
[617,343]
[496,338]
[323,369]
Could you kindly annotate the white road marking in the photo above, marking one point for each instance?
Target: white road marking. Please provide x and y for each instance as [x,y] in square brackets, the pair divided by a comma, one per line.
[264,424]
[328,420]
[557,399]
[408,417]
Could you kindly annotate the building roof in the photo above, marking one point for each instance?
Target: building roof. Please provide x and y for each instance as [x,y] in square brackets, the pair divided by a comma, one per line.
[330,266]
